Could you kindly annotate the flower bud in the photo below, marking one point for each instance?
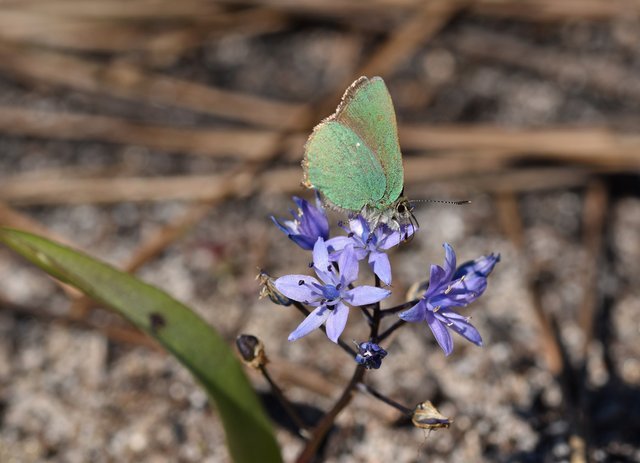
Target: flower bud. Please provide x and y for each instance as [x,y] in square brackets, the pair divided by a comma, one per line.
[251,350]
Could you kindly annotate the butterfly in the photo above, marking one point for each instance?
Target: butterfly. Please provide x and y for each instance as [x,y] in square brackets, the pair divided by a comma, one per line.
[353,157]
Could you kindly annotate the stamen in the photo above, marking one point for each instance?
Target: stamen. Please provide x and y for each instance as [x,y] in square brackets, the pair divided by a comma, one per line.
[329,268]
[310,264]
[437,308]
[300,282]
[351,235]
[448,290]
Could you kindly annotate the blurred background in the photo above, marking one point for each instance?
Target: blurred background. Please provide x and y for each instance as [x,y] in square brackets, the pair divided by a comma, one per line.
[160,136]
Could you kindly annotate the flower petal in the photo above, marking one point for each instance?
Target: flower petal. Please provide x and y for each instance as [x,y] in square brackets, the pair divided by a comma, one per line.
[337,321]
[285,228]
[338,243]
[482,266]
[388,238]
[436,280]
[314,320]
[313,221]
[363,295]
[359,227]
[380,265]
[446,300]
[468,289]
[290,286]
[467,331]
[320,254]
[303,241]
[445,314]
[440,332]
[322,265]
[449,261]
[417,313]
[307,225]
[348,266]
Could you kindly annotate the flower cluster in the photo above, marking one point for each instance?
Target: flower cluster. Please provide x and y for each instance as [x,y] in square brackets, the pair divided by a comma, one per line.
[308,224]
[450,287]
[331,295]
[334,291]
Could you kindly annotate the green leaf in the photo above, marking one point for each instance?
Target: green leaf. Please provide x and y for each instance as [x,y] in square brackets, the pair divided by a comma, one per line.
[183,333]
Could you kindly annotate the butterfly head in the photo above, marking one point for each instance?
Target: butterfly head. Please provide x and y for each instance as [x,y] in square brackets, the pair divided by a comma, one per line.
[398,217]
[403,218]
[402,212]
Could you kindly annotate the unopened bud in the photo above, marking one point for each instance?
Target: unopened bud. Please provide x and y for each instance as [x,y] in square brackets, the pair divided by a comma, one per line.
[251,350]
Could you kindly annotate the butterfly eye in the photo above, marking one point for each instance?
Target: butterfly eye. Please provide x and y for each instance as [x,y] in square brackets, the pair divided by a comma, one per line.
[401,208]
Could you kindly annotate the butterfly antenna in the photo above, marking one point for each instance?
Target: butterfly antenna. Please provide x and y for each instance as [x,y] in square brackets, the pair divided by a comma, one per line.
[441,201]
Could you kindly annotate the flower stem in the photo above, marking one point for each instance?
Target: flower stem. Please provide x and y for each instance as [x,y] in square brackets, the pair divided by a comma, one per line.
[288,407]
[367,314]
[398,308]
[390,330]
[320,431]
[369,390]
[375,323]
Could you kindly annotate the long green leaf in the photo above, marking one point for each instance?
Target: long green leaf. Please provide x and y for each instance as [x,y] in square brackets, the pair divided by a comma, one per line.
[183,333]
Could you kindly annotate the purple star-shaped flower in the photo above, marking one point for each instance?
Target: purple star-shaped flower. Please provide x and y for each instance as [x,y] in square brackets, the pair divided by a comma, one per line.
[374,245]
[449,288]
[331,296]
[308,224]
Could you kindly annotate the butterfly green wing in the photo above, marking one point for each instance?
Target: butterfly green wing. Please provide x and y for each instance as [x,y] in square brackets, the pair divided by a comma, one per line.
[368,111]
[339,164]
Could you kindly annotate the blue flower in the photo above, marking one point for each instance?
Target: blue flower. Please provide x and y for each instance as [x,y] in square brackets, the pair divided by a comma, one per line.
[374,245]
[370,355]
[481,267]
[449,288]
[309,223]
[331,296]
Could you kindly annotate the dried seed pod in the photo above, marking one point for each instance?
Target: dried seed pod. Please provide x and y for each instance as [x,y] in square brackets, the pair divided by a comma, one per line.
[426,416]
[267,289]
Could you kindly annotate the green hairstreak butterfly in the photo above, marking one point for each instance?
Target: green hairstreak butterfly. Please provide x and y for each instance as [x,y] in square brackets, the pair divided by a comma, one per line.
[353,157]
